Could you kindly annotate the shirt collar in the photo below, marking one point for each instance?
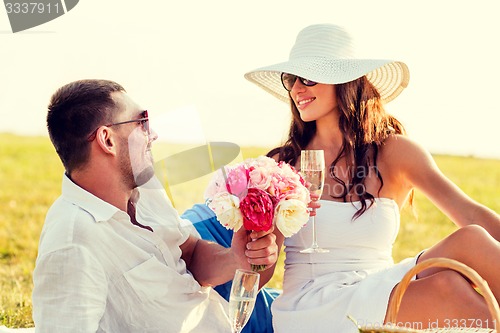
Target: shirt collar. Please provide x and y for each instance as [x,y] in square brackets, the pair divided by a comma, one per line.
[98,208]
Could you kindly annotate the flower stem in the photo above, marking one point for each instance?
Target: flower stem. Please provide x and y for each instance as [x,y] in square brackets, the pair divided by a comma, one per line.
[258,268]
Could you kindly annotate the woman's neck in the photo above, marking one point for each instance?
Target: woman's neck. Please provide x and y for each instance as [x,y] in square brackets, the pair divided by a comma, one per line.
[328,135]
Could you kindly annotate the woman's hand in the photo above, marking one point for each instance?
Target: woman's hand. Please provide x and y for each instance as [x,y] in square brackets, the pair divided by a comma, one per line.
[314,204]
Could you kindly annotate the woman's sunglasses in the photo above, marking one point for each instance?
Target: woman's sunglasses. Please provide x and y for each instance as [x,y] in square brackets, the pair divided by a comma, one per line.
[288,80]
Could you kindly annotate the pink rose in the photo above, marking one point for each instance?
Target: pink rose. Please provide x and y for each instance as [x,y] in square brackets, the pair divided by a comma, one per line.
[237,180]
[286,182]
[260,177]
[258,210]
[217,185]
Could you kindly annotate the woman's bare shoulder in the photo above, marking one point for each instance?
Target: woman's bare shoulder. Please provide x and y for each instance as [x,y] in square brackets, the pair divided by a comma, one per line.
[402,148]
[408,159]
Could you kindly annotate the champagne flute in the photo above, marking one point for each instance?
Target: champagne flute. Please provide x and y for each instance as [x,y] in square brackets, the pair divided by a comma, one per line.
[242,298]
[312,168]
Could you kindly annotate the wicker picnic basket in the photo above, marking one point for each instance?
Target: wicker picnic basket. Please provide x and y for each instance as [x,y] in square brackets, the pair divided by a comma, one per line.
[465,270]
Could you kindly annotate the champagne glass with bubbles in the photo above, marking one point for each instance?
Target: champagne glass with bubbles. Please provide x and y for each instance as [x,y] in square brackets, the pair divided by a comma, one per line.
[242,298]
[312,168]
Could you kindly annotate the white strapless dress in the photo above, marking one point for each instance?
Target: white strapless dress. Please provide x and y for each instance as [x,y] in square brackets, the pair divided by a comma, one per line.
[355,278]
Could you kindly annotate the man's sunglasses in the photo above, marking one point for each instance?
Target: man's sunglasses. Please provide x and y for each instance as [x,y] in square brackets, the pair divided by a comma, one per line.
[144,121]
[288,80]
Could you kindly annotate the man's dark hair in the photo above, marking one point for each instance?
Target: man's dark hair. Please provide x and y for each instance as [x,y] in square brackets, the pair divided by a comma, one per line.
[74,112]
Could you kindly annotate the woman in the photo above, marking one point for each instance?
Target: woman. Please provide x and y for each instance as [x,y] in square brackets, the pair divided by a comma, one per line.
[337,106]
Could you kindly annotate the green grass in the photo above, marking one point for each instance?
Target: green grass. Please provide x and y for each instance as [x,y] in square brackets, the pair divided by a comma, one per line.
[30,178]
[30,181]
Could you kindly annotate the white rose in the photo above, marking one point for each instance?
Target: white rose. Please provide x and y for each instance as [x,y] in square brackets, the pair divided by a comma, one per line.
[291,215]
[227,209]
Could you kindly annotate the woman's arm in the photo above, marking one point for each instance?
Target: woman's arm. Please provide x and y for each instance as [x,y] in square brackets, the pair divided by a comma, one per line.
[419,169]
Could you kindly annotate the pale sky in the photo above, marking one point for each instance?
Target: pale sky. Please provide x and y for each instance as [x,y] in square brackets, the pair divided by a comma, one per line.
[184,61]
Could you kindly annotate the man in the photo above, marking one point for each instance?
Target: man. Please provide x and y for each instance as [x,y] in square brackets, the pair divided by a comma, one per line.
[113,254]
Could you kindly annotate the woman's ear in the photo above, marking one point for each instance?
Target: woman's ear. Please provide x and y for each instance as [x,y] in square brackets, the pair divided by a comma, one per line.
[106,140]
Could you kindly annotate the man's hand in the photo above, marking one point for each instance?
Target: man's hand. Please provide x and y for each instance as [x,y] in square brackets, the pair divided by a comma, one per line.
[211,264]
[255,248]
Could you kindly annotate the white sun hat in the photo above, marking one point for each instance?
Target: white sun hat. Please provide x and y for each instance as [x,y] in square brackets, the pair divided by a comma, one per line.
[324,53]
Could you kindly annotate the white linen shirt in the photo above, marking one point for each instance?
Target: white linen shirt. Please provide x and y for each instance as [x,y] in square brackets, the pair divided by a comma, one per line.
[97,272]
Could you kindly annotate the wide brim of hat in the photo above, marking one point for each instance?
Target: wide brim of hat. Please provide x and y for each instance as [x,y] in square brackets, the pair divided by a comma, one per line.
[388,76]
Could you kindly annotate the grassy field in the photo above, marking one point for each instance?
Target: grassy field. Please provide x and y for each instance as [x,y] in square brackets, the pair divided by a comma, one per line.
[30,178]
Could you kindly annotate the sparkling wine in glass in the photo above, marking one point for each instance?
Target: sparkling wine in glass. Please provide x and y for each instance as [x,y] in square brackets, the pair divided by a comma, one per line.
[242,298]
[312,168]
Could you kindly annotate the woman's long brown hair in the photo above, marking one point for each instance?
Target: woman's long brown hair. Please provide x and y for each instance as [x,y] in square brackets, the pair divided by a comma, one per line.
[364,125]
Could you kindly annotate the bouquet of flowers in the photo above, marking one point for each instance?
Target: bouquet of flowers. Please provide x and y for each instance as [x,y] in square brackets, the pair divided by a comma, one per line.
[257,194]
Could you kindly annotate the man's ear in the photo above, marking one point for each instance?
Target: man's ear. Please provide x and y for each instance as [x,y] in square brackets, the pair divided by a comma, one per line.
[106,140]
